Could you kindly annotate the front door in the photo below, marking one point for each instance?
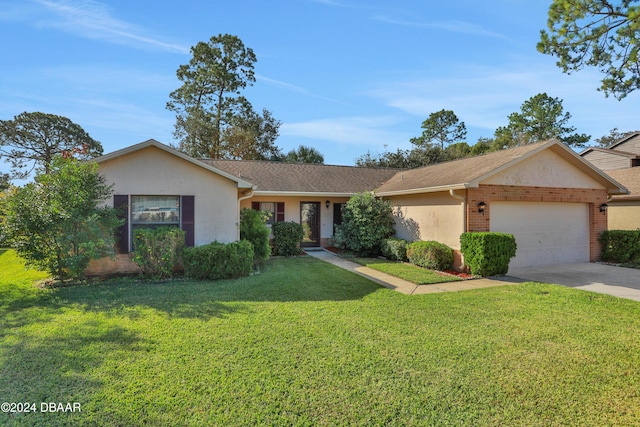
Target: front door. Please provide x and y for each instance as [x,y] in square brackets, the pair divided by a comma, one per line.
[310,220]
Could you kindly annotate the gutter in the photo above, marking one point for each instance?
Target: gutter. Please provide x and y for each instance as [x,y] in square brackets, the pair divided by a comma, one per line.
[247,195]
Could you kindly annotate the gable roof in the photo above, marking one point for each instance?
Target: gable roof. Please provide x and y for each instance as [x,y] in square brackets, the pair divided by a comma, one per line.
[153,143]
[466,173]
[271,178]
[611,152]
[623,140]
[630,178]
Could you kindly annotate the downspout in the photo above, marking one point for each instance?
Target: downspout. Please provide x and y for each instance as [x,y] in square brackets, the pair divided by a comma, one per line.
[240,199]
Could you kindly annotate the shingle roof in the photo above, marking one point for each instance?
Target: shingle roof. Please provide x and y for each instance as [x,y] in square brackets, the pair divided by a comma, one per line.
[305,178]
[630,178]
[457,173]
[610,151]
[469,172]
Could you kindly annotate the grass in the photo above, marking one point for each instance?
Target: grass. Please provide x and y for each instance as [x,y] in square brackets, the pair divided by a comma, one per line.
[305,343]
[411,273]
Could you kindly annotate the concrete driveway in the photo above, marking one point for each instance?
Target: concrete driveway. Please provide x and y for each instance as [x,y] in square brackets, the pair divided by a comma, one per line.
[606,279]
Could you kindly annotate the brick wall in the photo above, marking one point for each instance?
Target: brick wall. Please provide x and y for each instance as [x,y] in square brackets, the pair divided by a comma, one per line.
[489,193]
[121,264]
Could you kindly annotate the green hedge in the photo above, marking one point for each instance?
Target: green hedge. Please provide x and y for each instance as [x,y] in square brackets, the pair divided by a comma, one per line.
[620,246]
[430,254]
[287,237]
[219,260]
[488,253]
[158,251]
[394,249]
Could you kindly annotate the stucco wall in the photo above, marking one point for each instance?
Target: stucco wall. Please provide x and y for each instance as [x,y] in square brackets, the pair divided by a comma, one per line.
[624,215]
[152,171]
[429,216]
[546,169]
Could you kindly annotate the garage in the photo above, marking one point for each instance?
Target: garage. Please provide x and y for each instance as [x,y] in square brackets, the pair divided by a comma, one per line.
[546,233]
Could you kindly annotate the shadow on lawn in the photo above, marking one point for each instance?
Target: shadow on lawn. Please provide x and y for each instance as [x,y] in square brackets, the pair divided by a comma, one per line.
[281,280]
[59,364]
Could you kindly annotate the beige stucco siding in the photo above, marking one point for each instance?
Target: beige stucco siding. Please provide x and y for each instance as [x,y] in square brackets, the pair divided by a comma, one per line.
[292,209]
[546,169]
[429,216]
[624,215]
[152,171]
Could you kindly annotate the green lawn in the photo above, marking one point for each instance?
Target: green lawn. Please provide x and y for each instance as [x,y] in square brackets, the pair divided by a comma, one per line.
[305,343]
[409,272]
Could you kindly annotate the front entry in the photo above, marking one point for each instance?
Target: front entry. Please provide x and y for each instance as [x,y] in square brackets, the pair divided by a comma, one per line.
[310,220]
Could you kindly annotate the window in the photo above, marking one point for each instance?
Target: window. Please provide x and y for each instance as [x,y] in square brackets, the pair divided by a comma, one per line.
[155,211]
[276,209]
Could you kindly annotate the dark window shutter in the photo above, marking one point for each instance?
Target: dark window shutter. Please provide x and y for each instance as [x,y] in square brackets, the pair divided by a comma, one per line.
[255,206]
[279,211]
[188,219]
[121,202]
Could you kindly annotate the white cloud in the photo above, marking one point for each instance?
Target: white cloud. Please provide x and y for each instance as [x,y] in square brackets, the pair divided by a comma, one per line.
[453,26]
[483,97]
[372,131]
[89,19]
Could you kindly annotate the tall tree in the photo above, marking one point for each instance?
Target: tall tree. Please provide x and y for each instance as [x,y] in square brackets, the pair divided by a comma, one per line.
[213,119]
[442,127]
[541,117]
[252,137]
[598,33]
[304,154]
[33,140]
[5,181]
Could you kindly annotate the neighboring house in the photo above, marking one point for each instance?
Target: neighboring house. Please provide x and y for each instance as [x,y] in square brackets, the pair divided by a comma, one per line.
[624,210]
[546,195]
[621,161]
[622,154]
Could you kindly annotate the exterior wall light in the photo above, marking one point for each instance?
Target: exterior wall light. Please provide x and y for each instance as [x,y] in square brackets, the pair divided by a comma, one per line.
[327,204]
[481,207]
[603,208]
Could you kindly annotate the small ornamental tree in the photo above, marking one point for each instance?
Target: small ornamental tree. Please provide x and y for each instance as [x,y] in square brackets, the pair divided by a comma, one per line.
[55,223]
[366,221]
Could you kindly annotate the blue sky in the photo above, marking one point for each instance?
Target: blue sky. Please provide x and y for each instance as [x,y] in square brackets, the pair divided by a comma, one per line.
[343,76]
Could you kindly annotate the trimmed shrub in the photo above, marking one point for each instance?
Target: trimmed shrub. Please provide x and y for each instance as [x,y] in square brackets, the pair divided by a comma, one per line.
[219,260]
[488,253]
[432,255]
[287,237]
[394,249]
[158,251]
[620,246]
[366,221]
[254,229]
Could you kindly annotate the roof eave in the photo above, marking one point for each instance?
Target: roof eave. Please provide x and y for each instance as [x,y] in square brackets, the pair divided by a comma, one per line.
[423,190]
[153,143]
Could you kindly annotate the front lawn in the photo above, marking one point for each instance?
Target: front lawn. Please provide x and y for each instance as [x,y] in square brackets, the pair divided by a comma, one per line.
[409,272]
[305,343]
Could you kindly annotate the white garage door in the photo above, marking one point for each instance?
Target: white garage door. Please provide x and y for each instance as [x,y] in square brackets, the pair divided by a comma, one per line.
[546,233]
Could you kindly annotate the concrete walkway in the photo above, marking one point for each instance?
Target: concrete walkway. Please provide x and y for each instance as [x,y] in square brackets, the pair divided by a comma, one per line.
[404,286]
